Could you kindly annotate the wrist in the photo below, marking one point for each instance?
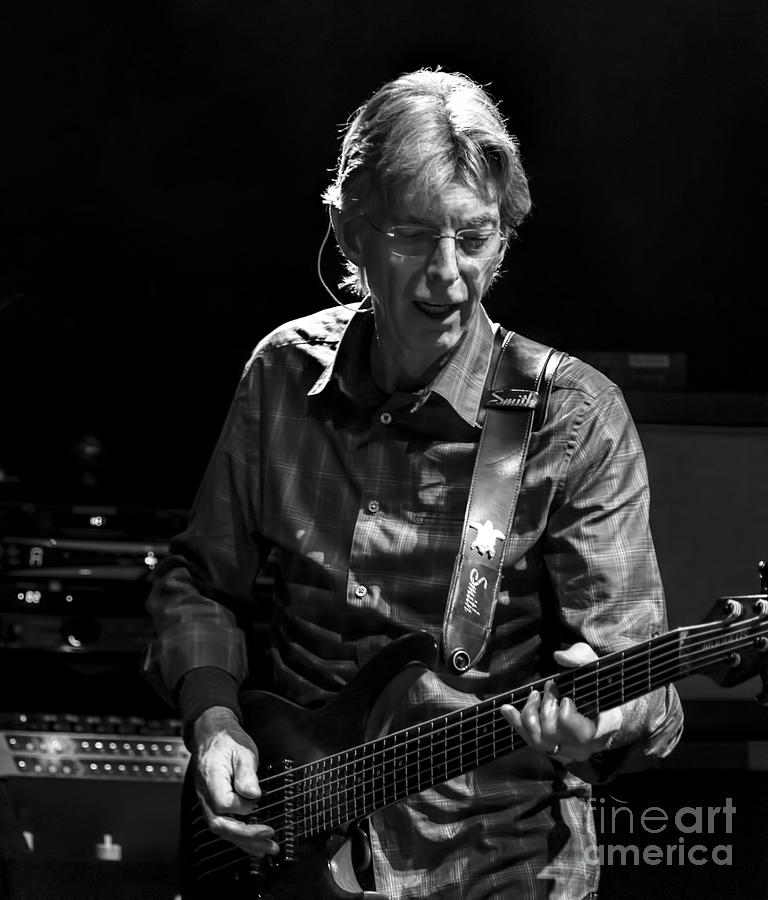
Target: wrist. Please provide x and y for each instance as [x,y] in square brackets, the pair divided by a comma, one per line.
[209,722]
[202,689]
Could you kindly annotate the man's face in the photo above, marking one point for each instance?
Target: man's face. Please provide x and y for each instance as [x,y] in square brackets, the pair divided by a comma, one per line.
[424,306]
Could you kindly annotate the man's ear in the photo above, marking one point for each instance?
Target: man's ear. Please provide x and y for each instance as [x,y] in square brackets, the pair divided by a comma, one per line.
[348,234]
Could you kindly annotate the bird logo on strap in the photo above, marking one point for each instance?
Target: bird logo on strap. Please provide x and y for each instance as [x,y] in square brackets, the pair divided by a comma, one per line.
[487,535]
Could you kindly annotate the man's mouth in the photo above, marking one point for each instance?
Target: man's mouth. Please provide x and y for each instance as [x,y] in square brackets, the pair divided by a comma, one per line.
[436,310]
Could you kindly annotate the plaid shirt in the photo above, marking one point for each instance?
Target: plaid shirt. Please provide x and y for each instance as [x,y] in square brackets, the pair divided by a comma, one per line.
[363,495]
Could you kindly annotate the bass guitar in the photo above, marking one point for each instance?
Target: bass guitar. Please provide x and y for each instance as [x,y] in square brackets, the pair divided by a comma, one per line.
[321,772]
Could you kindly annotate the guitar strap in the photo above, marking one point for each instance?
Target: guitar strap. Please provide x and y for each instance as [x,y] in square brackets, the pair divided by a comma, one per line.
[515,404]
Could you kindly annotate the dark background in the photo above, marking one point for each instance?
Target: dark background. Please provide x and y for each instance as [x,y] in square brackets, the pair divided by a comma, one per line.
[161,199]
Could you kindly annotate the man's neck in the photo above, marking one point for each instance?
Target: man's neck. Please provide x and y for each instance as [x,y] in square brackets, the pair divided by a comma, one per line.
[399,374]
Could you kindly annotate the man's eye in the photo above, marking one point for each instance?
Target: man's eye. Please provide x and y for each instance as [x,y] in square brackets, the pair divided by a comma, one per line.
[413,234]
[476,241]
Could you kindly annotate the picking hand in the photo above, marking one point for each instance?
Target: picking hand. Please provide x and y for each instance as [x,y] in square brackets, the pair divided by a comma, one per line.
[226,760]
[554,726]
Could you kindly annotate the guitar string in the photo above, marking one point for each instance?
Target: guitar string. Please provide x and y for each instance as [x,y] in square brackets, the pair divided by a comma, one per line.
[238,855]
[491,708]
[373,791]
[323,778]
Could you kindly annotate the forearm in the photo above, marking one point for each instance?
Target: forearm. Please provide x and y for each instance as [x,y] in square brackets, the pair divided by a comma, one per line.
[193,631]
[650,729]
[205,692]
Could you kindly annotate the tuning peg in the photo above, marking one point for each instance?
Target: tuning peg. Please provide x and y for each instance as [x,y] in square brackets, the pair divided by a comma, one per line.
[762,568]
[732,609]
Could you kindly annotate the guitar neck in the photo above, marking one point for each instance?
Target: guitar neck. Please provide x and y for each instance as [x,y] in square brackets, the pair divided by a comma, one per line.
[358,781]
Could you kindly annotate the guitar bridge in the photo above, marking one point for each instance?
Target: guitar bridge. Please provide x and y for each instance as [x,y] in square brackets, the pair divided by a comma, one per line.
[288,841]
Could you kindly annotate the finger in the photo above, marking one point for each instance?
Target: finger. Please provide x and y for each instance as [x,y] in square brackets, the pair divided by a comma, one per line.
[549,716]
[245,782]
[253,837]
[215,785]
[530,719]
[515,717]
[575,733]
[576,655]
[512,716]
[608,724]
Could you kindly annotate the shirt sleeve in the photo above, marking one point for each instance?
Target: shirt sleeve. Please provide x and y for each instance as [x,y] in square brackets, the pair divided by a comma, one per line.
[601,559]
[203,588]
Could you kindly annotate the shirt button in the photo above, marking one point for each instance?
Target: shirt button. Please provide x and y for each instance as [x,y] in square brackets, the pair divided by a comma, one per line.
[361,590]
[373,506]
[385,418]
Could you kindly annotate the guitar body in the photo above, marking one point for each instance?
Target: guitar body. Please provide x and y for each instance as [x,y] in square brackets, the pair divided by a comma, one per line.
[324,770]
[317,868]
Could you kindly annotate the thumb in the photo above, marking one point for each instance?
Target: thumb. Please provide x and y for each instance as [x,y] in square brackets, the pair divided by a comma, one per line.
[245,782]
[575,655]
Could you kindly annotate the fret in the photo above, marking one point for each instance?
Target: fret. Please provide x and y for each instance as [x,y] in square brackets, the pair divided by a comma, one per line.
[378,798]
[596,665]
[446,734]
[649,667]
[621,675]
[494,722]
[316,807]
[421,781]
[462,741]
[432,756]
[312,805]
[400,763]
[387,758]
[323,799]
[413,778]
[338,796]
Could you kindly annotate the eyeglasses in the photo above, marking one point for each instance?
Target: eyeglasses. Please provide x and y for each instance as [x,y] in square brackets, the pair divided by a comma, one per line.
[414,242]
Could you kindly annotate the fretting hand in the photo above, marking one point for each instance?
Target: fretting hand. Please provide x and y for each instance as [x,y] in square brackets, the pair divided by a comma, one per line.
[554,726]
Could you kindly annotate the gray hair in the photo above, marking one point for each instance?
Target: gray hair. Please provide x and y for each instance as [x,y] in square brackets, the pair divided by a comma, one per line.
[424,130]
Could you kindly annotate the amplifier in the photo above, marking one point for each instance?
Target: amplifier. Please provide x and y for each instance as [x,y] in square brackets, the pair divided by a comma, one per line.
[89,806]
[116,748]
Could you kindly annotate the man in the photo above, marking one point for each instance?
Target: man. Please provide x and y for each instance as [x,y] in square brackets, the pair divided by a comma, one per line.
[349,448]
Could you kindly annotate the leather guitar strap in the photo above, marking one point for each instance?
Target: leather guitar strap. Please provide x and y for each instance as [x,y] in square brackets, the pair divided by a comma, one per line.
[515,404]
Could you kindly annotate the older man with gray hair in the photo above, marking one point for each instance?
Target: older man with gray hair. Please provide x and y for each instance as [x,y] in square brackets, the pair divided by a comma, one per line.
[349,451]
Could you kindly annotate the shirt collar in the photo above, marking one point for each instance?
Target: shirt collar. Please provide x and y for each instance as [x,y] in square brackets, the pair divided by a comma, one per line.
[460,382]
[352,321]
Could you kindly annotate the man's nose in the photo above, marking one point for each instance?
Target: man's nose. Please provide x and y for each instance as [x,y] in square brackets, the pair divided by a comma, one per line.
[444,264]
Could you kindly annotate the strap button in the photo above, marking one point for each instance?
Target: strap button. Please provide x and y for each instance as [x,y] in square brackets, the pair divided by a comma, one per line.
[385,418]
[460,660]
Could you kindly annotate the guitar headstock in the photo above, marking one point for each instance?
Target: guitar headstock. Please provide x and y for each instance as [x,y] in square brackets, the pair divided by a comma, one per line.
[742,638]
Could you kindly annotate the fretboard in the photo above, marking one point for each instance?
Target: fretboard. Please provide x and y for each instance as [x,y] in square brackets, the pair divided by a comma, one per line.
[356,782]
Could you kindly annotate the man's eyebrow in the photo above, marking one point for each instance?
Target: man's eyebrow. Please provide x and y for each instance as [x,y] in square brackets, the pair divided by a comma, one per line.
[477,221]
[482,219]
